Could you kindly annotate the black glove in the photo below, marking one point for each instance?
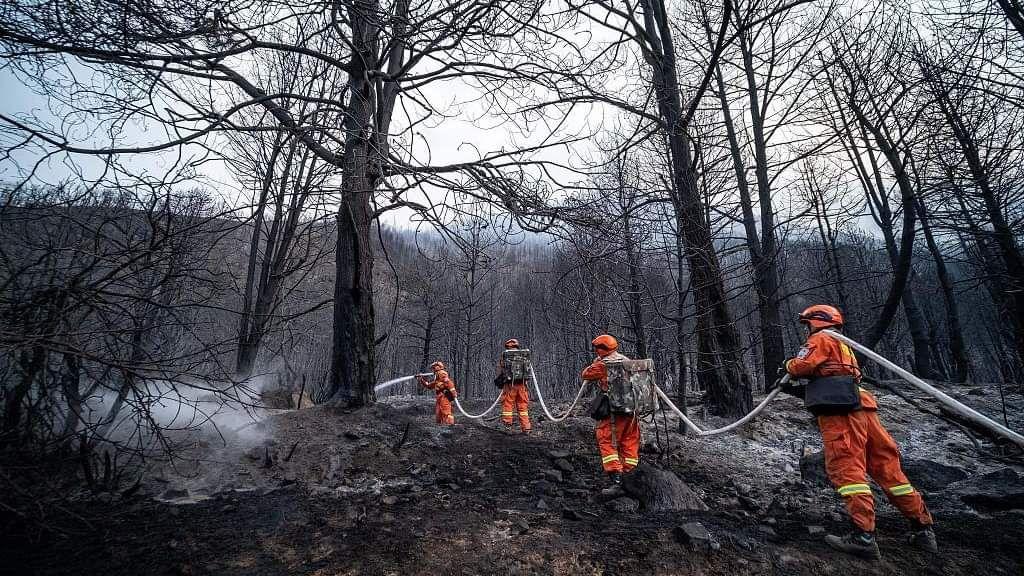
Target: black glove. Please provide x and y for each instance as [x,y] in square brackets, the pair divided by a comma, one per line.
[448,394]
[782,371]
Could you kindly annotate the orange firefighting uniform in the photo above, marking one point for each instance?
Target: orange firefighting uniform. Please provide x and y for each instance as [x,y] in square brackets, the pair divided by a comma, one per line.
[515,400]
[442,407]
[620,429]
[856,444]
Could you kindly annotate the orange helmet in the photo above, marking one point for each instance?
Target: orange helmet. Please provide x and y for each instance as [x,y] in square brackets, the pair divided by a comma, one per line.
[821,316]
[436,366]
[511,343]
[605,344]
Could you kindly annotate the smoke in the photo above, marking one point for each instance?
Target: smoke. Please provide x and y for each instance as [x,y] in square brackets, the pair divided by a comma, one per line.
[225,412]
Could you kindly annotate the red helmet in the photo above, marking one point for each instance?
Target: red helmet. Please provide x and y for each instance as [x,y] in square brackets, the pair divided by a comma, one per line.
[511,343]
[436,366]
[821,316]
[605,344]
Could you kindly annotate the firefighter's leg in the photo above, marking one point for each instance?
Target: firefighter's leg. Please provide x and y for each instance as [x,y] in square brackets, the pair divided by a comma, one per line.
[606,446]
[508,399]
[444,412]
[627,434]
[523,406]
[884,466]
[845,441]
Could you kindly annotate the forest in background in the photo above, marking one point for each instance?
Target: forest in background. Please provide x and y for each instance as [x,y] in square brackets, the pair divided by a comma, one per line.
[686,176]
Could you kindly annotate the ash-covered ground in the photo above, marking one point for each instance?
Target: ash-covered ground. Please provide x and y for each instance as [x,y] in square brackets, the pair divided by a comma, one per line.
[385,491]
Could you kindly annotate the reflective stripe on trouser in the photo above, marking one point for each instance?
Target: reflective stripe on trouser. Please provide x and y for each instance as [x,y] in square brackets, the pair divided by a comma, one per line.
[619,444]
[515,399]
[443,411]
[858,446]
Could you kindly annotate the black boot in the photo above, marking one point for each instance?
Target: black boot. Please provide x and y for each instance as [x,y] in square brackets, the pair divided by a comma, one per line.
[614,490]
[922,536]
[857,543]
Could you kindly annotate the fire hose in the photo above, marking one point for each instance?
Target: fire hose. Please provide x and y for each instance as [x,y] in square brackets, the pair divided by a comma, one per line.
[957,408]
[477,416]
[540,397]
[954,406]
[750,415]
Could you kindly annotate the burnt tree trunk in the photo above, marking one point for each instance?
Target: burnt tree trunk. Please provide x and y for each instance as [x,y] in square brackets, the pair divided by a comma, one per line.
[961,365]
[1002,233]
[761,246]
[729,391]
[354,340]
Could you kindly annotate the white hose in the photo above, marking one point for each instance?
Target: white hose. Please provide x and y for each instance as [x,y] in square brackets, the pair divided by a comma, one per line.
[480,415]
[750,415]
[540,397]
[957,407]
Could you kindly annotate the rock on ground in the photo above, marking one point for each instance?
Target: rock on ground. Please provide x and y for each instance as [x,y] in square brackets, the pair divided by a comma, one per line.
[999,490]
[661,490]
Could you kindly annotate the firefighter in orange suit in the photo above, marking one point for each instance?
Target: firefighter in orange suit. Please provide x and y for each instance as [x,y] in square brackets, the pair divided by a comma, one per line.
[515,397]
[856,443]
[618,435]
[444,387]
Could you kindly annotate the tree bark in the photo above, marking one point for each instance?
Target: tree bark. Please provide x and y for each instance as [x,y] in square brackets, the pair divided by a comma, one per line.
[761,246]
[354,340]
[729,391]
[960,368]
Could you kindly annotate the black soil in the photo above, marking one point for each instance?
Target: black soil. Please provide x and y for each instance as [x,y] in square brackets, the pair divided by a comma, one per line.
[385,491]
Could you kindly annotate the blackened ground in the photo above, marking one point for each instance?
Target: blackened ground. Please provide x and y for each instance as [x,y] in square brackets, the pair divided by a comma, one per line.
[384,491]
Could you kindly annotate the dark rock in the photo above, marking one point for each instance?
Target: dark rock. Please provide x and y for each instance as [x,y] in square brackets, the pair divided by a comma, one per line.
[768,532]
[521,525]
[660,490]
[352,435]
[173,493]
[932,476]
[254,453]
[744,543]
[570,514]
[812,469]
[999,490]
[558,454]
[577,493]
[729,503]
[816,530]
[623,506]
[545,487]
[749,503]
[542,505]
[552,475]
[976,392]
[563,465]
[694,535]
